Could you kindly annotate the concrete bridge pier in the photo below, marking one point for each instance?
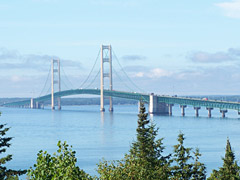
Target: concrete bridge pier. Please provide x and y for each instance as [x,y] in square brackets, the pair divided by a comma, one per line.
[59,103]
[197,110]
[170,109]
[183,109]
[37,105]
[155,107]
[32,104]
[223,113]
[110,104]
[209,112]
[102,109]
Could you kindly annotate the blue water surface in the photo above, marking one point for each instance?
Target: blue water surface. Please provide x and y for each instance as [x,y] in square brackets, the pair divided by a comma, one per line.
[95,135]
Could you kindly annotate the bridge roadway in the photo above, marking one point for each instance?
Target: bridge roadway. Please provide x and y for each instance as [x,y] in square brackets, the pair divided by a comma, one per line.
[196,103]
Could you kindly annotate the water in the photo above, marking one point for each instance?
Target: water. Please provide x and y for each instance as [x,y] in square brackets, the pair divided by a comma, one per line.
[95,135]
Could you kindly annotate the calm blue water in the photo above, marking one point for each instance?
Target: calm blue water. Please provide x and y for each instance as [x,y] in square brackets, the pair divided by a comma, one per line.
[95,135]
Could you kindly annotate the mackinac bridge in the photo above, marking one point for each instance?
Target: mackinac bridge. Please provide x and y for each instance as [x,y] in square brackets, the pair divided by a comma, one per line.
[157,104]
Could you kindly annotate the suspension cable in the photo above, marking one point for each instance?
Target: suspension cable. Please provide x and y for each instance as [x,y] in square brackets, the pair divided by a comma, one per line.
[93,79]
[126,73]
[45,82]
[122,80]
[90,71]
[49,90]
[62,82]
[71,84]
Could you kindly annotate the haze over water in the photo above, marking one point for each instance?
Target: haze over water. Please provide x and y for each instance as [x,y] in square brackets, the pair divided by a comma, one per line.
[95,135]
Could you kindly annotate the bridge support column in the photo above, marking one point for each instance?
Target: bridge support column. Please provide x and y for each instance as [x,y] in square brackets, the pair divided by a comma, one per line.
[106,56]
[55,69]
[155,107]
[102,109]
[37,105]
[41,106]
[52,95]
[223,113]
[110,104]
[59,103]
[197,110]
[170,109]
[209,112]
[32,104]
[183,109]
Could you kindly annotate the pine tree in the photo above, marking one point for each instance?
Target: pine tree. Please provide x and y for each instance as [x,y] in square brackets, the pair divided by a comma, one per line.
[4,144]
[147,150]
[145,159]
[183,168]
[199,169]
[230,169]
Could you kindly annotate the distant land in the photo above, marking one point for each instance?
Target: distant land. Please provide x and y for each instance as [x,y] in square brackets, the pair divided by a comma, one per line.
[119,101]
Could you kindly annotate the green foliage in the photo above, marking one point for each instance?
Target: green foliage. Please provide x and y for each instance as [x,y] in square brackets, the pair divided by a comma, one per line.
[183,168]
[62,165]
[199,169]
[144,161]
[230,169]
[4,144]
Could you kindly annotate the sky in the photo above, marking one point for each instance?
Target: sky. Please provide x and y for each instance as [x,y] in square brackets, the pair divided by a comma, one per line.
[166,47]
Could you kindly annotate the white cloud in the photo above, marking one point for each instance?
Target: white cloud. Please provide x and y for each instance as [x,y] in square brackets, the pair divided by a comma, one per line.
[204,57]
[139,74]
[231,9]
[16,79]
[158,72]
[146,72]
[232,54]
[185,75]
[133,58]
[152,73]
[12,59]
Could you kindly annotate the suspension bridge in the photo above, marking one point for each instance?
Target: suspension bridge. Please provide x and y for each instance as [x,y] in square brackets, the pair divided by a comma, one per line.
[157,104]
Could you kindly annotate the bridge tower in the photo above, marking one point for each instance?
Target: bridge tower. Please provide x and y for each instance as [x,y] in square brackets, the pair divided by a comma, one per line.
[56,80]
[106,57]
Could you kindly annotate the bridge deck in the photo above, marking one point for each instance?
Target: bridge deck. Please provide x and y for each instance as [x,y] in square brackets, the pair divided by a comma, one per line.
[223,105]
[137,96]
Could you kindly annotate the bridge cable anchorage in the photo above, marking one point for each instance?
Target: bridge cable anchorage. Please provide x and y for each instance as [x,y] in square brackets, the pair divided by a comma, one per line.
[141,90]
[65,75]
[122,80]
[93,79]
[91,70]
[45,82]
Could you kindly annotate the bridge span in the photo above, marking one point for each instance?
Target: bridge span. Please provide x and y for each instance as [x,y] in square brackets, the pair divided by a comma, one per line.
[157,104]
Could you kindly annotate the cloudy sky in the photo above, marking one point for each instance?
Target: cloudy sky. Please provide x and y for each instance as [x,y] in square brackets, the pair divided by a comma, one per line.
[167,47]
